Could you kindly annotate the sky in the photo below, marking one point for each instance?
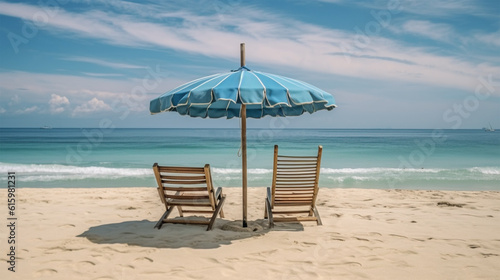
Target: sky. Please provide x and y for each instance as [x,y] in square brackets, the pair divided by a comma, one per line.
[389,64]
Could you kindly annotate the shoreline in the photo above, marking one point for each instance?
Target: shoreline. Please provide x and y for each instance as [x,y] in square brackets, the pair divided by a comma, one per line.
[107,233]
[431,189]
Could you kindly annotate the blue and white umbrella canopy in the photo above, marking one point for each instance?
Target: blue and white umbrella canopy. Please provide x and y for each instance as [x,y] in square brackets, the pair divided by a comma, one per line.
[221,95]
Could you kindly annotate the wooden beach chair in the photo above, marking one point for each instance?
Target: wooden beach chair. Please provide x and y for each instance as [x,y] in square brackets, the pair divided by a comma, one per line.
[292,197]
[190,190]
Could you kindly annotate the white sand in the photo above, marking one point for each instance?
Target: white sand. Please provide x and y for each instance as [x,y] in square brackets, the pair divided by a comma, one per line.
[367,234]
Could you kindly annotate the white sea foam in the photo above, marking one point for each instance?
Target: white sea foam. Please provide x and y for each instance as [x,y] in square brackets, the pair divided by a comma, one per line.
[377,170]
[56,172]
[330,177]
[238,171]
[485,170]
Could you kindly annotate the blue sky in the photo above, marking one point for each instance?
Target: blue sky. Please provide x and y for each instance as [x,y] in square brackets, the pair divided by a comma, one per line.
[389,64]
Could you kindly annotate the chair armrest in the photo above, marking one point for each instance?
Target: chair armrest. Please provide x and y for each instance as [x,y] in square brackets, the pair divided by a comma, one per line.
[218,193]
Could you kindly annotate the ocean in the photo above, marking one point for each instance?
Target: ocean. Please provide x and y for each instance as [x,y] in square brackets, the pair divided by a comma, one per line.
[352,158]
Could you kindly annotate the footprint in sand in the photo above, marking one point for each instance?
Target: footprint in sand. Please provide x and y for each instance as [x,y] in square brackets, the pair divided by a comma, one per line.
[125,269]
[143,260]
[126,208]
[399,236]
[367,217]
[267,253]
[55,250]
[84,265]
[67,226]
[100,258]
[361,239]
[45,272]
[351,264]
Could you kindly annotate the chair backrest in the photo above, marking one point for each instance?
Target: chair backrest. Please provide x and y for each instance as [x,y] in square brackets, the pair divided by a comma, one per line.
[295,179]
[185,185]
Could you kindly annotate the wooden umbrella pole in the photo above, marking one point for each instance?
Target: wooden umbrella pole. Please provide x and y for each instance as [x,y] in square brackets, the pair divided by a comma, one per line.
[244,144]
[244,160]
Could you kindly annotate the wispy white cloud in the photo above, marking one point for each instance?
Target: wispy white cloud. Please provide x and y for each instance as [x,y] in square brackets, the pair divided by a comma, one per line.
[93,106]
[102,74]
[58,104]
[443,8]
[331,1]
[2,110]
[14,100]
[101,62]
[426,8]
[492,39]
[29,110]
[435,31]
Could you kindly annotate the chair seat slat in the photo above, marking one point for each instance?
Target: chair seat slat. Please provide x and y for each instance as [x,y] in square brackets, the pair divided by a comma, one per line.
[295,184]
[301,181]
[184,189]
[186,170]
[284,156]
[177,177]
[188,203]
[292,212]
[294,191]
[187,197]
[303,169]
[187,221]
[297,161]
[291,199]
[184,182]
[295,219]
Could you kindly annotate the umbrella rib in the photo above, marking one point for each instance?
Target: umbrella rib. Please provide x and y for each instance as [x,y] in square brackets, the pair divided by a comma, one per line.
[263,86]
[264,92]
[219,84]
[304,84]
[181,87]
[239,88]
[287,92]
[174,91]
[288,97]
[211,96]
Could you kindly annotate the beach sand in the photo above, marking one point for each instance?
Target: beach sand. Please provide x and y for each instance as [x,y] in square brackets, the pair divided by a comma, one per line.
[366,234]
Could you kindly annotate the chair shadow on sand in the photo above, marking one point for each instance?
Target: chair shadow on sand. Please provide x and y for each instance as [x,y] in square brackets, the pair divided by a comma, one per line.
[142,233]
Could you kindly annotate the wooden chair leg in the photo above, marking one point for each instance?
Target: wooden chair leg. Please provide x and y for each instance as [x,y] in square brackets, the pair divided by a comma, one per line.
[216,212]
[316,213]
[163,217]
[218,196]
[179,208]
[181,214]
[269,213]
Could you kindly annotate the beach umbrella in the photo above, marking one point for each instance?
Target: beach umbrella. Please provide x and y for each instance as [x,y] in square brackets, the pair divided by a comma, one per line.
[243,93]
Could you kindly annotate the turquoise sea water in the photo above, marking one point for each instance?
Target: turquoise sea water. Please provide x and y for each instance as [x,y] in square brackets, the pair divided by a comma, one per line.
[352,158]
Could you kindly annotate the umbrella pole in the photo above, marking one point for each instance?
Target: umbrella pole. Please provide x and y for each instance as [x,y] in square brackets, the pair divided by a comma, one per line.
[244,143]
[244,160]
